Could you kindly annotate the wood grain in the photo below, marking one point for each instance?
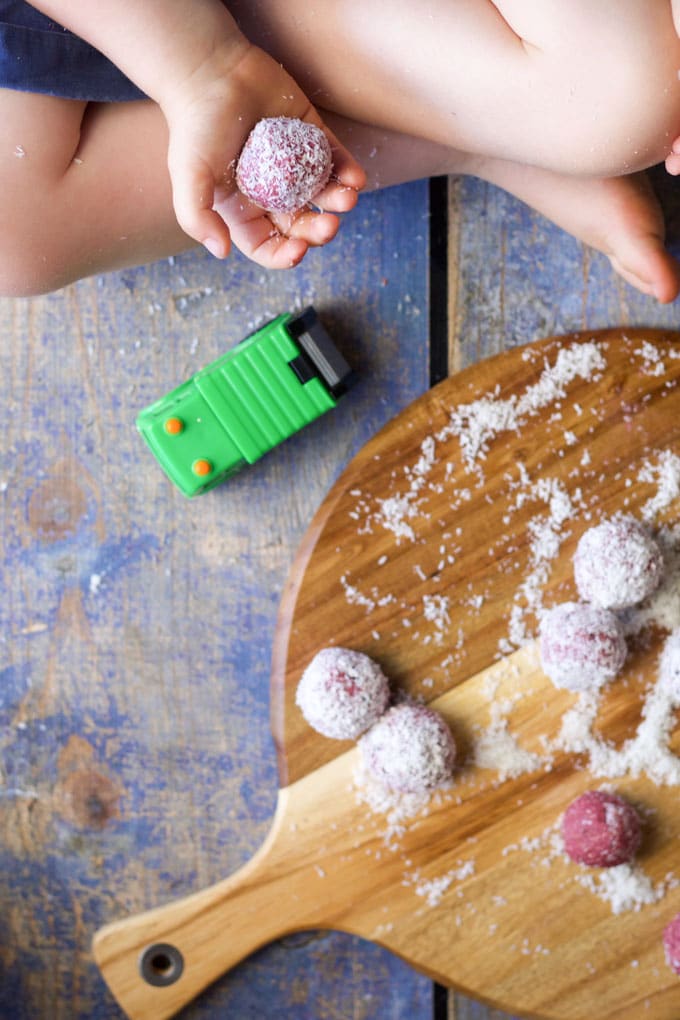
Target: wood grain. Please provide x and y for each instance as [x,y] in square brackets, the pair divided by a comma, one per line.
[508,929]
[136,636]
[128,680]
[326,863]
[463,516]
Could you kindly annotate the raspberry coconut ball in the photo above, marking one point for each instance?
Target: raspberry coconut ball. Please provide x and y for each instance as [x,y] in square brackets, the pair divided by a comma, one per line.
[617,564]
[582,647]
[409,750]
[342,693]
[671,943]
[284,164]
[601,829]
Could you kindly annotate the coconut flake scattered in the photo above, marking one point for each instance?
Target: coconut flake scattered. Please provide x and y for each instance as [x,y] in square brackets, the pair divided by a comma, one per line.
[625,887]
[477,424]
[561,501]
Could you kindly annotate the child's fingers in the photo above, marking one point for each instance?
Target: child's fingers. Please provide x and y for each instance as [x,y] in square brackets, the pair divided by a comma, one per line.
[336,197]
[259,241]
[251,228]
[313,227]
[346,170]
[193,194]
[276,241]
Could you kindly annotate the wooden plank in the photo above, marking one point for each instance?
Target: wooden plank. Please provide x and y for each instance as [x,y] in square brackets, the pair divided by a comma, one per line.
[136,761]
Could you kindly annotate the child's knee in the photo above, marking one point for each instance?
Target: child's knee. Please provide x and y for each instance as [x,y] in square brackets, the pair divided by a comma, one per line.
[632,115]
[599,93]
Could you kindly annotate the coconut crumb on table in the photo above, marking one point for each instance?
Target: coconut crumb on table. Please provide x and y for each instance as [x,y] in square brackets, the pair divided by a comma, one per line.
[478,423]
[663,470]
[498,749]
[399,810]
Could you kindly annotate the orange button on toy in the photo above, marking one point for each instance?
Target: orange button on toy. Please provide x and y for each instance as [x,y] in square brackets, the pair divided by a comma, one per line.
[201,467]
[173,426]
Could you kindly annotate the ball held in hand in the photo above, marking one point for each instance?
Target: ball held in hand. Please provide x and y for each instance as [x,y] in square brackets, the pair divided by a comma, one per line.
[284,164]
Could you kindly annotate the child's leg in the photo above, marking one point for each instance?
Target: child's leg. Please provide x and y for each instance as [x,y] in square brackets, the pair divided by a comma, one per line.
[80,190]
[570,85]
[673,158]
[110,207]
[79,197]
[618,216]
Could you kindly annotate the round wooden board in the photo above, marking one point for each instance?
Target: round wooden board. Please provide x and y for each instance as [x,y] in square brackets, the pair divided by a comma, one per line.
[434,553]
[356,582]
[424,518]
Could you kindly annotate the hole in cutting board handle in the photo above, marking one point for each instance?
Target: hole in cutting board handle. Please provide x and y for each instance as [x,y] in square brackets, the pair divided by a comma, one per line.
[161,964]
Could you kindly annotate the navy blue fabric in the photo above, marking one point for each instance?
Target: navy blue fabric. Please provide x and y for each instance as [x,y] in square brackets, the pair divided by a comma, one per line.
[38,55]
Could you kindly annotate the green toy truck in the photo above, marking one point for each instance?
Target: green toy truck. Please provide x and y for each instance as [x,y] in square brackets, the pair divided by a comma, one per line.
[236,409]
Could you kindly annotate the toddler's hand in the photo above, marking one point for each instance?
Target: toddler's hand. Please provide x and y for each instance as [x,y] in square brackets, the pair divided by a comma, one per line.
[209,118]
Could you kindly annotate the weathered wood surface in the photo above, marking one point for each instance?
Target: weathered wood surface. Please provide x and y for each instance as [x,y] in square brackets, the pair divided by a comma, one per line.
[136,633]
[136,757]
[465,545]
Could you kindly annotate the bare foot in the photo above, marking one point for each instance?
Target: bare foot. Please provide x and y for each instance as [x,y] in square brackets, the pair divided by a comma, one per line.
[619,216]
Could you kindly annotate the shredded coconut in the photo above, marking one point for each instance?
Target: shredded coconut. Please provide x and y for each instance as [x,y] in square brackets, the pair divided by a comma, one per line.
[433,889]
[665,474]
[625,887]
[478,423]
[562,500]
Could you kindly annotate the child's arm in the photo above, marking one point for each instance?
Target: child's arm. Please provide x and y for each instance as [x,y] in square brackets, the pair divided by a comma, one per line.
[212,85]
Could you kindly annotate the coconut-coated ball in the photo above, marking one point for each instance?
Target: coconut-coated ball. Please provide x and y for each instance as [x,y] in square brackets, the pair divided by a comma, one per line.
[342,692]
[284,164]
[617,564]
[409,750]
[582,647]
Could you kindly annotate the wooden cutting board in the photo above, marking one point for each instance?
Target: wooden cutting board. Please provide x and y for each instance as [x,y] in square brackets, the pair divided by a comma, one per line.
[433,553]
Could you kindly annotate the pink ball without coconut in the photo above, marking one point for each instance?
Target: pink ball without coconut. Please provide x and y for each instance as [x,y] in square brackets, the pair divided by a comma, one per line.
[671,943]
[601,829]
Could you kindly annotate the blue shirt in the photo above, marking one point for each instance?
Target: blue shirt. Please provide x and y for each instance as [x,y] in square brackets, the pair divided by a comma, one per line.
[38,55]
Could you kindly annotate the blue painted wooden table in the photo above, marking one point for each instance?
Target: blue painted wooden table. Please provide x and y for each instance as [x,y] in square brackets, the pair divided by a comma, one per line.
[136,763]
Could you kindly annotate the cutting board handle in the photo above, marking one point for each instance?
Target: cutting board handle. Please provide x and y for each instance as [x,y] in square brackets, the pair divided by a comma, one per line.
[157,962]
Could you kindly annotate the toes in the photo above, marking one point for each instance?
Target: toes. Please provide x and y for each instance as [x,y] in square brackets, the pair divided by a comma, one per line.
[651,270]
